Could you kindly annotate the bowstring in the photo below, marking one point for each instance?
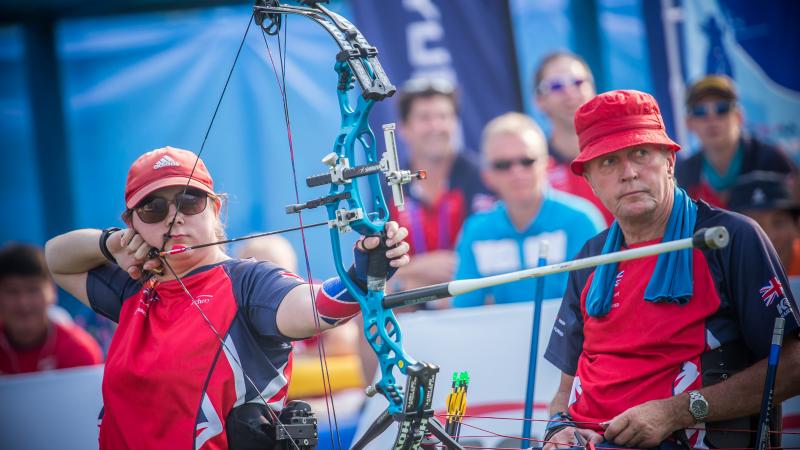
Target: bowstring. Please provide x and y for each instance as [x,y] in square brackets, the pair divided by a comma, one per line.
[271,412]
[208,129]
[231,354]
[280,79]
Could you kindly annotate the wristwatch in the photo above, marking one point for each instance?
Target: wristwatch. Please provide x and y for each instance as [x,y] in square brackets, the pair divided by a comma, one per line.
[698,406]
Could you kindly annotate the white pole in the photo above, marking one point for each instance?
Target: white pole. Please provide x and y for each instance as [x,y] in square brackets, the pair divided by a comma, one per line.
[714,238]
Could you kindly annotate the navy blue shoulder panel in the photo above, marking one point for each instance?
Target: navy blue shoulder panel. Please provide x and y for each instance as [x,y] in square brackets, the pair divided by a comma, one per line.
[107,287]
[259,288]
[750,281]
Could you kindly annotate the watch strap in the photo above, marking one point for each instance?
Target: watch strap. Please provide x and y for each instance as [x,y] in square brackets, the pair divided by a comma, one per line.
[104,243]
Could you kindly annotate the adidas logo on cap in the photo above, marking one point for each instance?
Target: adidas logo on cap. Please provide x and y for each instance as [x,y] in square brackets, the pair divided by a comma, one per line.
[165,161]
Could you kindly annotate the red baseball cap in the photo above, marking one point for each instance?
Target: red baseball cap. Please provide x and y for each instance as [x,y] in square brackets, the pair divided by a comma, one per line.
[616,120]
[165,167]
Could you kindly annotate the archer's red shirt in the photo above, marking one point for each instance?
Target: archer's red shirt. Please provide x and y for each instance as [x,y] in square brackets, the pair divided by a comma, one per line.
[169,381]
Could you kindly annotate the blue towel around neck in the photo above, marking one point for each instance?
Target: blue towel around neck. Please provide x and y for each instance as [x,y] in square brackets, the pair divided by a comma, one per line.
[672,278]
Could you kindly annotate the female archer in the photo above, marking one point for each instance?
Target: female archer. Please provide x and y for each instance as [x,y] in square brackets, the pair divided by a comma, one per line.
[201,336]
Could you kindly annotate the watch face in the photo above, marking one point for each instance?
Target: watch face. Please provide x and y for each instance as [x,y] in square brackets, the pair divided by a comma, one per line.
[698,406]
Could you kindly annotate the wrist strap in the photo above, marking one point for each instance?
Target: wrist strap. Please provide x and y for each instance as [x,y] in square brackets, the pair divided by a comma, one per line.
[355,276]
[104,243]
[557,422]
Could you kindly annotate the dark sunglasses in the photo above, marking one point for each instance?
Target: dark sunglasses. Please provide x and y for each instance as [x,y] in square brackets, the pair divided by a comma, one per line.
[154,209]
[720,108]
[507,164]
[559,84]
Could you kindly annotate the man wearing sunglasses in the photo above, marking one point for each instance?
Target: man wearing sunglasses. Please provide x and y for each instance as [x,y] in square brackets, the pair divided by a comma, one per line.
[562,83]
[508,237]
[726,151]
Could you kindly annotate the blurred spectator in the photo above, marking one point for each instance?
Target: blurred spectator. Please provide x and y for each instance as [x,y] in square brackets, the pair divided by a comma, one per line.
[342,340]
[562,83]
[507,237]
[437,206]
[30,340]
[726,152]
[764,197]
[274,248]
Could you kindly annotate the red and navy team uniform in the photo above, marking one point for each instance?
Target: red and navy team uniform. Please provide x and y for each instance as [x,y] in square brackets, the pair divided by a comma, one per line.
[642,351]
[169,382]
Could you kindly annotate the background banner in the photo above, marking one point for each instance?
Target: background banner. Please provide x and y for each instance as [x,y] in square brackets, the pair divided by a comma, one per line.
[756,46]
[468,43]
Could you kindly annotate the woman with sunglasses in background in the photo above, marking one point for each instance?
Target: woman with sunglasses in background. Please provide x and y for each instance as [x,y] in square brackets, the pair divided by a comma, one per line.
[169,380]
[726,151]
[563,82]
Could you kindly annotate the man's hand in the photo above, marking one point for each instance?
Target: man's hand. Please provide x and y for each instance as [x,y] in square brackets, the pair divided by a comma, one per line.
[646,425]
[130,250]
[565,438]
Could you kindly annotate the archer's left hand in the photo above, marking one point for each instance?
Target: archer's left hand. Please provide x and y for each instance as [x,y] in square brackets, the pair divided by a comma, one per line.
[395,241]
[645,425]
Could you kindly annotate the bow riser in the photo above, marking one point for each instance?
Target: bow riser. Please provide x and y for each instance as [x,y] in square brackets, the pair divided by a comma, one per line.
[381,329]
[348,210]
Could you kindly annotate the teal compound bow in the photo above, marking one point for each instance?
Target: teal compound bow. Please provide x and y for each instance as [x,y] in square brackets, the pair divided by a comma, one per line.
[347,210]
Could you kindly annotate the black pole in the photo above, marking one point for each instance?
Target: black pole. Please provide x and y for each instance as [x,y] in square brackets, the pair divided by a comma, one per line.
[762,436]
[47,110]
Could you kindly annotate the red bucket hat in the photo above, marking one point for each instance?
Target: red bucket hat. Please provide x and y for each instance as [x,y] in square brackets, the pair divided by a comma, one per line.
[165,167]
[616,120]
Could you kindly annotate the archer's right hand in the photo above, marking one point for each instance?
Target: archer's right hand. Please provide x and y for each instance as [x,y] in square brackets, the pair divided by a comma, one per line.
[131,250]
